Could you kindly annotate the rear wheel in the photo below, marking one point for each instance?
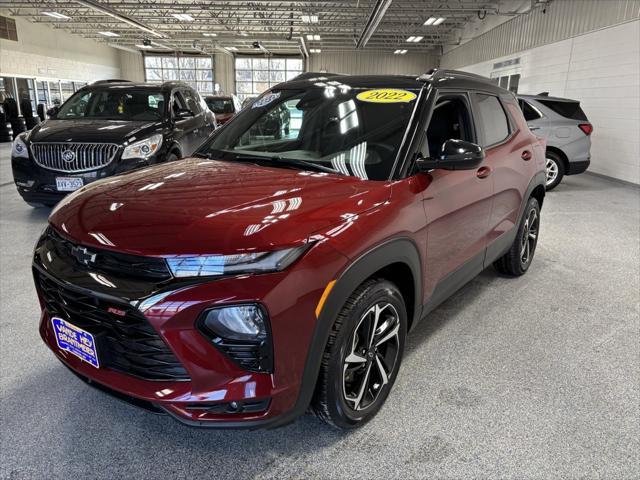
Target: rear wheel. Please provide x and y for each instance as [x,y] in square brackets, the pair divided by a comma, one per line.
[555,170]
[362,356]
[518,259]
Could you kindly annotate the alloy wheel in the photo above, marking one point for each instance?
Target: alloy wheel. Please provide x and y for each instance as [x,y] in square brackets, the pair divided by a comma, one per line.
[552,170]
[371,357]
[529,236]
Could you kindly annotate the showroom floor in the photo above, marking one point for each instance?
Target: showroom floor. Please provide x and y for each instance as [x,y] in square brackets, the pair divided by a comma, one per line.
[533,377]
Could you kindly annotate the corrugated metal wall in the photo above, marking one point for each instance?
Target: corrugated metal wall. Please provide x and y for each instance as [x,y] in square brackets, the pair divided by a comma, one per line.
[563,19]
[372,62]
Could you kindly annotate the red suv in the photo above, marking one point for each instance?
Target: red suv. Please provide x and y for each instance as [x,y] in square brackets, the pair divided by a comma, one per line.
[276,271]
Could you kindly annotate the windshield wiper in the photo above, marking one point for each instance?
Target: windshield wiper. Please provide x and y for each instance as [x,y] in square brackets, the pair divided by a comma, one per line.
[292,162]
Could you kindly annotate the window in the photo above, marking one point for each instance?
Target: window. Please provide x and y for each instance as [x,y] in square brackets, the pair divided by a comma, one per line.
[567,109]
[254,75]
[450,120]
[197,72]
[67,90]
[107,104]
[510,82]
[8,29]
[193,103]
[492,118]
[528,111]
[317,128]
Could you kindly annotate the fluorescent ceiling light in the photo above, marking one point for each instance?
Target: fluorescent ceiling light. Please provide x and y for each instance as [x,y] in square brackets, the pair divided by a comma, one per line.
[309,18]
[57,15]
[244,34]
[413,39]
[439,21]
[231,49]
[400,52]
[206,34]
[430,20]
[144,47]
[410,39]
[315,50]
[313,37]
[185,17]
[109,34]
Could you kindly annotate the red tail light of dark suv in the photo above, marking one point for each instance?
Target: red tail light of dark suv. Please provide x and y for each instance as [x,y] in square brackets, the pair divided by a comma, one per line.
[281,269]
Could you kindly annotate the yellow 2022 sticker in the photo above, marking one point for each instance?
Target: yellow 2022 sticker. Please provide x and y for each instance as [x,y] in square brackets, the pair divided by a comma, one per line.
[386,95]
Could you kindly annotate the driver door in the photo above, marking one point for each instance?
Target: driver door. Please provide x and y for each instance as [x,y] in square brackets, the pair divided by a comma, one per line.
[186,130]
[457,202]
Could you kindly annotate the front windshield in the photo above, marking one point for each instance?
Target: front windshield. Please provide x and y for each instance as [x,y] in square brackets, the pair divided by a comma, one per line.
[114,104]
[220,105]
[346,130]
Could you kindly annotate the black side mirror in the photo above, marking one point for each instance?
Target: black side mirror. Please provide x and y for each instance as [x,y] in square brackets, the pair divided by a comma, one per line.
[53,111]
[183,113]
[454,155]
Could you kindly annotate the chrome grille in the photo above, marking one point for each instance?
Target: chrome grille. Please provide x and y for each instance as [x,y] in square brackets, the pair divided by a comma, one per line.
[73,157]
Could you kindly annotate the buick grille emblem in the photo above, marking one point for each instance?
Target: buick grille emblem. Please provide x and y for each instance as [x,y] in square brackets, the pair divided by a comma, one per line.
[82,255]
[68,156]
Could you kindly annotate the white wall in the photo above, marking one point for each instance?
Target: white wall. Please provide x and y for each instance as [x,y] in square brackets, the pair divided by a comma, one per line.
[131,66]
[602,70]
[42,51]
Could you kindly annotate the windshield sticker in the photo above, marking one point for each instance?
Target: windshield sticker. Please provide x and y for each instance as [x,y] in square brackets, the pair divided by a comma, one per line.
[386,95]
[266,100]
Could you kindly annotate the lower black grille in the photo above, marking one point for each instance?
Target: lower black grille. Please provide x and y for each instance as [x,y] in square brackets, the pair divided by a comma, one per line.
[125,340]
[254,356]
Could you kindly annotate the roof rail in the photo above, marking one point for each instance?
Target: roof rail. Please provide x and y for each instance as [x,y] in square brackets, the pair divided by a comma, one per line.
[111,80]
[308,75]
[436,73]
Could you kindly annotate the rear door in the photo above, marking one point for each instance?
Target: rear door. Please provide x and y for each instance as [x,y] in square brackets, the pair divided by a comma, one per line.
[510,154]
[185,129]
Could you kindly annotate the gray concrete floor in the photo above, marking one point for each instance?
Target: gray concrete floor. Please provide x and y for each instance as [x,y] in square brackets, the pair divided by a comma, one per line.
[536,377]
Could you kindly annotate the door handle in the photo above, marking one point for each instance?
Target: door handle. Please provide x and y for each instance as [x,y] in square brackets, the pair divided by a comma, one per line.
[526,155]
[532,128]
[483,172]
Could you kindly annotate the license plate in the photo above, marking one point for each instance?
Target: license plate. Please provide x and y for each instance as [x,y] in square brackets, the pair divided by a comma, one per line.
[68,184]
[75,341]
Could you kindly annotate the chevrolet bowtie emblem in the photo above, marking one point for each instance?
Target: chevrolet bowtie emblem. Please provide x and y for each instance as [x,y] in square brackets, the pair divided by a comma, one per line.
[82,255]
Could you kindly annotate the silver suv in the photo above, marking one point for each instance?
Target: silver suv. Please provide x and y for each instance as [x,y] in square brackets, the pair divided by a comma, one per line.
[567,131]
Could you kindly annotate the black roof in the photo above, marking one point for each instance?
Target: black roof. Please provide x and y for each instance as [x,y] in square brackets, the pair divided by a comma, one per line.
[441,78]
[116,83]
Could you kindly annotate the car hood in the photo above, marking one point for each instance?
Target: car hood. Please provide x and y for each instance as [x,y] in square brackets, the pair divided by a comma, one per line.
[199,206]
[90,130]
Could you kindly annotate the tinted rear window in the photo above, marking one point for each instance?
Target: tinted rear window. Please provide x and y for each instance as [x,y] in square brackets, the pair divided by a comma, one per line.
[494,121]
[528,111]
[566,109]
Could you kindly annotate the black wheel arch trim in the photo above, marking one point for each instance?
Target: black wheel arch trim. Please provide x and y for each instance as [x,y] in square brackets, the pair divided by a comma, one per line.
[396,250]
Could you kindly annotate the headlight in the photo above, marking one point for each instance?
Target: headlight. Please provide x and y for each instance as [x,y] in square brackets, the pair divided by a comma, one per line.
[213,265]
[19,148]
[143,148]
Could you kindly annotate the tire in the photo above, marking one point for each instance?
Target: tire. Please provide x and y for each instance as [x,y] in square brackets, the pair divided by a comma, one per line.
[514,263]
[344,371]
[555,170]
[170,157]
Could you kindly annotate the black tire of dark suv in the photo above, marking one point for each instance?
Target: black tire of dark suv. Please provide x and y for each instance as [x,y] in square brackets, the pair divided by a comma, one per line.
[518,259]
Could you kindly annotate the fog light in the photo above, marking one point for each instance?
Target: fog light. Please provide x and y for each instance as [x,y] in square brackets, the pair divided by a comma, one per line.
[242,333]
[245,322]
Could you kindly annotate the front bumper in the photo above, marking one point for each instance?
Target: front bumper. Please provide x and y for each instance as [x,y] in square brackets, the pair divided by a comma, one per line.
[214,380]
[37,184]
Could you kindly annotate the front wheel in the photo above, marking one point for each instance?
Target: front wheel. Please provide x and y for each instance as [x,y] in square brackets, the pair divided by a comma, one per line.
[362,356]
[518,259]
